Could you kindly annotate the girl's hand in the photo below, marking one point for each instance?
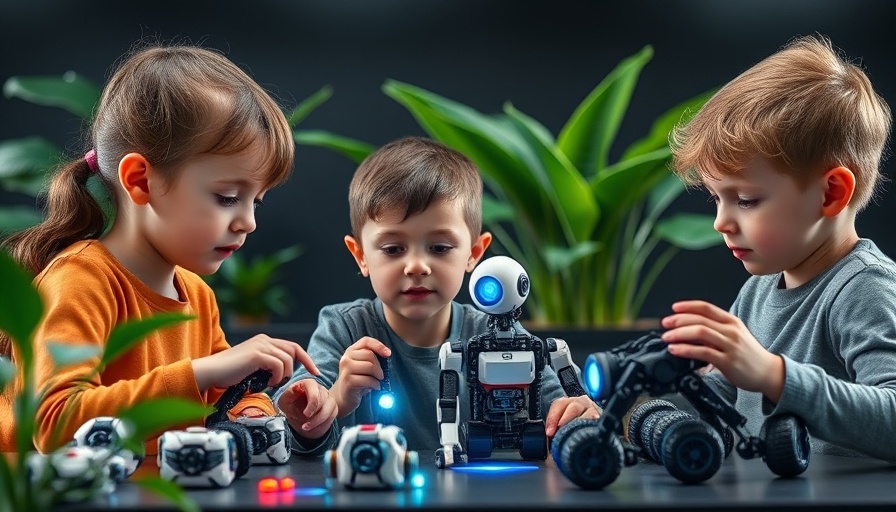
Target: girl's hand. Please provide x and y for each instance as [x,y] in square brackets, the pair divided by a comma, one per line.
[565,409]
[230,366]
[359,372]
[699,330]
[309,408]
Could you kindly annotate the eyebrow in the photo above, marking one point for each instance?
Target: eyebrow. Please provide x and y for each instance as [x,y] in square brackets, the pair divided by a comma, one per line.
[437,232]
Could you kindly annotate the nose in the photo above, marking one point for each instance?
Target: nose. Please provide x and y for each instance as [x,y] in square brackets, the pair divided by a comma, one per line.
[416,264]
[244,222]
[724,222]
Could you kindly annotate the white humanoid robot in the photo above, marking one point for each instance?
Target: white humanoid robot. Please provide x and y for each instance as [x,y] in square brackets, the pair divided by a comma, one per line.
[503,369]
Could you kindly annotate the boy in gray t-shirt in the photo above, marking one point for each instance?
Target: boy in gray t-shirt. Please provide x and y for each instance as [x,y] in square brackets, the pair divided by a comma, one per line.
[416,214]
[789,151]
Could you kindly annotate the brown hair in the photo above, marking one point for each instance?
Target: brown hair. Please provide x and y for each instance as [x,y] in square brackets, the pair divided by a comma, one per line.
[409,174]
[805,107]
[170,104]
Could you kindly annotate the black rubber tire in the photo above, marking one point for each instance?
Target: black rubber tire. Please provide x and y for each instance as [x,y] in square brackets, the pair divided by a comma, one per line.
[636,420]
[477,438]
[244,447]
[589,462]
[534,441]
[787,448]
[692,450]
[562,435]
[658,429]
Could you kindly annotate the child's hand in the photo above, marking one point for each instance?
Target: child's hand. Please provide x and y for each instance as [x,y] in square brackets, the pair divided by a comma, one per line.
[308,407]
[359,372]
[565,409]
[699,330]
[253,412]
[230,366]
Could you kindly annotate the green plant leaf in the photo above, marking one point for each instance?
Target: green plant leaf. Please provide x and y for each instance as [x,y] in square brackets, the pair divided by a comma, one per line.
[17,218]
[308,106]
[495,210]
[352,149]
[168,490]
[589,134]
[626,182]
[127,334]
[70,91]
[7,372]
[689,231]
[153,416]
[64,354]
[560,258]
[569,193]
[663,194]
[20,307]
[658,137]
[24,158]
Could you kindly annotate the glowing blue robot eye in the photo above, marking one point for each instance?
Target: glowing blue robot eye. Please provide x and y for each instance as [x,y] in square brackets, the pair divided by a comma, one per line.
[488,291]
[593,377]
[386,401]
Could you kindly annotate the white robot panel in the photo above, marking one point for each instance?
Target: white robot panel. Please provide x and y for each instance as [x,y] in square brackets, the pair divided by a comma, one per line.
[270,441]
[197,457]
[503,368]
[371,456]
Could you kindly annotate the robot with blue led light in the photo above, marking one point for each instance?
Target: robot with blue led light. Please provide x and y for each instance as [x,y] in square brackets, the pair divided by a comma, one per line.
[503,368]
[591,453]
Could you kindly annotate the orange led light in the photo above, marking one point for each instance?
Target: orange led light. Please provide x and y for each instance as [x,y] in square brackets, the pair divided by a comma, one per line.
[268,485]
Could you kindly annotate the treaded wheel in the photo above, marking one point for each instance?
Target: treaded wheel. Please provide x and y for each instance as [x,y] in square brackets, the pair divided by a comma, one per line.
[692,450]
[477,438]
[664,420]
[534,442]
[591,463]
[563,433]
[244,447]
[635,421]
[787,448]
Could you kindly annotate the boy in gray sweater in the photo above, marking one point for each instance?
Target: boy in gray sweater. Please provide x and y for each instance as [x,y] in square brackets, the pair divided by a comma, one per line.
[789,151]
[416,214]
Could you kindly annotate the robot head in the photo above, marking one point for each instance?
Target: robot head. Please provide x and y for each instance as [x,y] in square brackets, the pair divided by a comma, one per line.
[498,285]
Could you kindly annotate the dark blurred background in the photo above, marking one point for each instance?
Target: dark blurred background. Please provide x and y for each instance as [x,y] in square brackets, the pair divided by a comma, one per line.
[544,56]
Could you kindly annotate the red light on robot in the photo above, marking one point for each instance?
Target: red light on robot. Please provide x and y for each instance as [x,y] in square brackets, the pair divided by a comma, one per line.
[287,484]
[268,484]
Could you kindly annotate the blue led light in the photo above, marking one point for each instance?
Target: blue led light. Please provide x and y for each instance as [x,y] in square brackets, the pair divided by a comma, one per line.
[488,291]
[386,401]
[310,491]
[594,380]
[490,468]
[417,480]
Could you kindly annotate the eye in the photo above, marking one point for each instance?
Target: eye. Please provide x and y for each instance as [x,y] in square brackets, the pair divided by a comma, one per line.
[227,201]
[747,203]
[441,248]
[392,250]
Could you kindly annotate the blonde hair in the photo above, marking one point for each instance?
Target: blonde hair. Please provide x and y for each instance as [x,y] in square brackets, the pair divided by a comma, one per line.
[805,107]
[408,175]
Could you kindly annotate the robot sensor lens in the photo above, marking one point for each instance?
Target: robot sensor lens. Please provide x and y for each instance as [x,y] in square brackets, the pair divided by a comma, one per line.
[594,378]
[386,401]
[488,291]
[522,285]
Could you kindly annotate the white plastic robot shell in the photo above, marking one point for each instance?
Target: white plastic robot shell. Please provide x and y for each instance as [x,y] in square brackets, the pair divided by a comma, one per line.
[269,439]
[107,432]
[498,285]
[371,456]
[197,457]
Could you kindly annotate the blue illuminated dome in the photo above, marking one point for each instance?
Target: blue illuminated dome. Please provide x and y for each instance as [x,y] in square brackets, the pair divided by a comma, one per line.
[594,379]
[488,291]
[387,400]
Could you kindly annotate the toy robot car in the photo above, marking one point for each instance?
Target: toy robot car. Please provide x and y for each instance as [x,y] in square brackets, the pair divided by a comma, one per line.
[269,439]
[77,473]
[591,454]
[198,457]
[108,432]
[371,456]
[504,371]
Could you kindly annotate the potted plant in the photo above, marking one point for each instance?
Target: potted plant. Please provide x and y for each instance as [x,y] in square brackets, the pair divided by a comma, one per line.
[591,233]
[248,291]
[21,310]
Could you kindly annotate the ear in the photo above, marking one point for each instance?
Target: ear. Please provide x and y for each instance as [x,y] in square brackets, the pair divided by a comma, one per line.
[354,247]
[133,170]
[478,250]
[839,185]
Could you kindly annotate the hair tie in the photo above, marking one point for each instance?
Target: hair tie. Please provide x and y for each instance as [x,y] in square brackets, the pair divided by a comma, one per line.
[90,158]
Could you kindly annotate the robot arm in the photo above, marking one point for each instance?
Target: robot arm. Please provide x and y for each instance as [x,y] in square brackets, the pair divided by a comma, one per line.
[567,371]
[450,363]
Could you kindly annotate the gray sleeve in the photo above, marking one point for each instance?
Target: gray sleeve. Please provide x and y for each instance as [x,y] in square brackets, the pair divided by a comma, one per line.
[328,342]
[859,415]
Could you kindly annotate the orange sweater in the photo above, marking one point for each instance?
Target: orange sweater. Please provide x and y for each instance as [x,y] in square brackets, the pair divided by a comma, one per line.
[86,293]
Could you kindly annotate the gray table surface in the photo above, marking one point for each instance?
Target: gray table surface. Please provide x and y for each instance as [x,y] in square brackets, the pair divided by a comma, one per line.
[830,483]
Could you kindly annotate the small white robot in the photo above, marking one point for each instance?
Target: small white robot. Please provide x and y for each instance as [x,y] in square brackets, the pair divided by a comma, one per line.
[76,473]
[503,369]
[198,457]
[371,456]
[269,439]
[107,432]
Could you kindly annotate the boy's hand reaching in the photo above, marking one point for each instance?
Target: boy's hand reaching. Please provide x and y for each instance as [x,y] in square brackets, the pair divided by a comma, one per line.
[565,409]
[700,330]
[308,407]
[359,373]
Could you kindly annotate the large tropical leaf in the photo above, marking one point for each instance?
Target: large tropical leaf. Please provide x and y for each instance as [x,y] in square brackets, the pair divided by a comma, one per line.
[689,231]
[658,137]
[71,92]
[16,218]
[24,163]
[589,134]
[352,149]
[20,307]
[308,106]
